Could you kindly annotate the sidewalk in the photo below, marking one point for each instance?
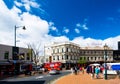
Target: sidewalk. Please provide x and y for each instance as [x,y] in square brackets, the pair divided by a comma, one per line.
[85,79]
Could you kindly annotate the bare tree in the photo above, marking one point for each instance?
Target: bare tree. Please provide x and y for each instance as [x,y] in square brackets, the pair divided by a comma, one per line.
[36,50]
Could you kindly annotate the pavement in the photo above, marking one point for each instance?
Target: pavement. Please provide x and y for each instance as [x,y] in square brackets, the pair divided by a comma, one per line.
[86,79]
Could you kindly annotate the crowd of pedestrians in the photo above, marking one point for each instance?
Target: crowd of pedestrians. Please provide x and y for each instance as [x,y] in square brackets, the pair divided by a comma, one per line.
[93,70]
[76,70]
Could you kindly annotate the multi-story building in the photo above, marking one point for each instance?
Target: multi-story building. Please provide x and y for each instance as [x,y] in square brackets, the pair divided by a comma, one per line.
[14,58]
[96,54]
[116,53]
[68,52]
[119,45]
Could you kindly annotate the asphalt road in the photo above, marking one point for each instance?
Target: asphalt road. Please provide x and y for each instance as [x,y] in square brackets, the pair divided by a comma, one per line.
[40,79]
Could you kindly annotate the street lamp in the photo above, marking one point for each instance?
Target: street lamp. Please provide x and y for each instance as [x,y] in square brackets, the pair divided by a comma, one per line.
[105,59]
[23,27]
[15,48]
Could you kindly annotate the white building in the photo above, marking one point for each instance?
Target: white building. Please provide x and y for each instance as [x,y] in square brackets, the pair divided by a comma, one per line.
[68,52]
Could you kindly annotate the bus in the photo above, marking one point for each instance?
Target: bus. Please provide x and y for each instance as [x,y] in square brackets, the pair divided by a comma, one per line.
[53,65]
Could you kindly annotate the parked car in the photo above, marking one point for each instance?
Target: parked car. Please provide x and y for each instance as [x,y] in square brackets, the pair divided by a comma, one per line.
[53,72]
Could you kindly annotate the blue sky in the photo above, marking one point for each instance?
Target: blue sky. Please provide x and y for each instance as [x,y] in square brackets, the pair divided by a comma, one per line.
[94,21]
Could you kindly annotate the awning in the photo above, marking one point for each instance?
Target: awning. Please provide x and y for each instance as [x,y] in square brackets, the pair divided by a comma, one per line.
[5,63]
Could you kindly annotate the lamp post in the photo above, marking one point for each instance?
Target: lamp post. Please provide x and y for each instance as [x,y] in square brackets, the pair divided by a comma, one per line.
[105,56]
[23,27]
[15,48]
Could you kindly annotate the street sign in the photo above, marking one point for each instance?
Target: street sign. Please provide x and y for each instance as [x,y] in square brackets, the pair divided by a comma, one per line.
[115,67]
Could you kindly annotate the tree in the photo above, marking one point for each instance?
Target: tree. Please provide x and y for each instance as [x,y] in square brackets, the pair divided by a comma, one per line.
[35,50]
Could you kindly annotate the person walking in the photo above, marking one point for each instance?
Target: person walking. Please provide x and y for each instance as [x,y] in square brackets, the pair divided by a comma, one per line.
[97,71]
[72,70]
[88,69]
[75,70]
[92,71]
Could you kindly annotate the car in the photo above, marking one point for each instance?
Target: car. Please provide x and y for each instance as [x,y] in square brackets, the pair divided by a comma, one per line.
[53,72]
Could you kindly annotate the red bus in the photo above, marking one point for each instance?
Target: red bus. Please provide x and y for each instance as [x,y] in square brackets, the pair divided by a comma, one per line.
[53,65]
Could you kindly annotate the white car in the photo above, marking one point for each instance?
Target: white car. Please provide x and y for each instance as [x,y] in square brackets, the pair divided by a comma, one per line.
[52,72]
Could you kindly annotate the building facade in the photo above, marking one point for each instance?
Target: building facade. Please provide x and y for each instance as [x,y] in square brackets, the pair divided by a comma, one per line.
[68,52]
[96,54]
[14,58]
[119,45]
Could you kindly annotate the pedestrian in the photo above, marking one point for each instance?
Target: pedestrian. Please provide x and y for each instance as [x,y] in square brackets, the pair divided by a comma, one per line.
[97,71]
[92,71]
[75,70]
[88,69]
[72,70]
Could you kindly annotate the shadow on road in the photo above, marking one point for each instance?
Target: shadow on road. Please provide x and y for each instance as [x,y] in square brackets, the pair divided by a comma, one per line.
[22,82]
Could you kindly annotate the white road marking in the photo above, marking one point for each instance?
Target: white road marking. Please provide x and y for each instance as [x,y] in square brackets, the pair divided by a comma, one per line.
[42,76]
[39,77]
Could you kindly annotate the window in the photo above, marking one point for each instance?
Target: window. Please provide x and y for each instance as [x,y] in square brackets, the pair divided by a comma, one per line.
[91,58]
[57,50]
[28,56]
[66,49]
[22,56]
[80,58]
[53,57]
[53,51]
[88,58]
[98,58]
[6,55]
[62,50]
[57,57]
[66,56]
[62,57]
[95,58]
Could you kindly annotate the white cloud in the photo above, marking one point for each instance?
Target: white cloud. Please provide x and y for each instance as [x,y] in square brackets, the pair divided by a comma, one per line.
[27,4]
[66,30]
[54,28]
[78,25]
[84,42]
[85,27]
[18,4]
[37,30]
[51,24]
[77,30]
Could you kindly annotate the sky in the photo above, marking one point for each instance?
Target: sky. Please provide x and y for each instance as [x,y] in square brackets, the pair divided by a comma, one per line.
[84,22]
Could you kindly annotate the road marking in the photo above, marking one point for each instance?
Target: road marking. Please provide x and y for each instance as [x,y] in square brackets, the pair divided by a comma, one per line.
[39,77]
[42,76]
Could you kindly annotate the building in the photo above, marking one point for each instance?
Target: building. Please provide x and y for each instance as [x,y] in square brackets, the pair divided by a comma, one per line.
[116,53]
[119,45]
[71,53]
[14,59]
[96,54]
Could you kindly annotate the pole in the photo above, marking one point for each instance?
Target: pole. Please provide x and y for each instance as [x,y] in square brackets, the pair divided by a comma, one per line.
[15,36]
[105,65]
[44,54]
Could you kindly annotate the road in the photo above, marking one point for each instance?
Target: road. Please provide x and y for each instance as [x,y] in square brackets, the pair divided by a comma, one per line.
[40,79]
